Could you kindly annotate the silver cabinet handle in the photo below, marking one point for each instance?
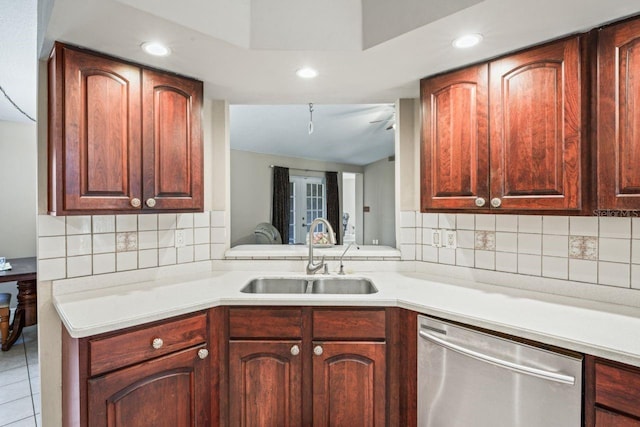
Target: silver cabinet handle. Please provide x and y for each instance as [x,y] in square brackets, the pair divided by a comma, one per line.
[151,202]
[295,350]
[317,350]
[496,202]
[480,202]
[157,343]
[527,370]
[135,202]
[203,353]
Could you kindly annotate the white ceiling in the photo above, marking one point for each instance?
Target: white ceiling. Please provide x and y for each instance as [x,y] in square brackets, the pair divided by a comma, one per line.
[246,51]
[341,133]
[18,58]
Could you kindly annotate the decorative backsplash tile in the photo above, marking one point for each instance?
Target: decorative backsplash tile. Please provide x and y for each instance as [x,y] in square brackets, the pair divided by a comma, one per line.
[583,247]
[597,250]
[126,242]
[76,246]
[485,240]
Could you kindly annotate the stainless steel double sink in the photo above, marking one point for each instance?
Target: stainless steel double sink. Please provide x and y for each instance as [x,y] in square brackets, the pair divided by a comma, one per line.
[310,285]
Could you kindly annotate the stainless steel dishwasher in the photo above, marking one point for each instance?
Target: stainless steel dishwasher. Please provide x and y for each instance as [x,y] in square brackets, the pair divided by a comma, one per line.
[468,378]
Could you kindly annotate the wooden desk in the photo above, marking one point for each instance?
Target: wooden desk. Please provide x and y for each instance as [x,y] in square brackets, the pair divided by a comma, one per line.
[23,271]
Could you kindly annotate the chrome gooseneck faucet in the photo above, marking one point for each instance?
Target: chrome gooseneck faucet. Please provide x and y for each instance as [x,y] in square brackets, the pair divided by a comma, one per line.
[341,272]
[312,267]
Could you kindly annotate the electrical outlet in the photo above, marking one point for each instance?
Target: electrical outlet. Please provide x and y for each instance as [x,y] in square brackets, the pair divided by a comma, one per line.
[180,239]
[436,238]
[450,239]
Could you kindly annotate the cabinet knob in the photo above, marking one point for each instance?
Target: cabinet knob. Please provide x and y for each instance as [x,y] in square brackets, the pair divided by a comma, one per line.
[135,202]
[295,350]
[317,350]
[203,353]
[151,202]
[157,343]
[480,202]
[496,202]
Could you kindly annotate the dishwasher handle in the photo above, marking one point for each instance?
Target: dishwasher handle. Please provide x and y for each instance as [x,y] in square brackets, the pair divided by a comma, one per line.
[527,370]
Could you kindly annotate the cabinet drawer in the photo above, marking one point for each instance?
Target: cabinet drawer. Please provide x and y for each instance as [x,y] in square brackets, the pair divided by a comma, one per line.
[265,323]
[611,419]
[127,348]
[349,324]
[618,388]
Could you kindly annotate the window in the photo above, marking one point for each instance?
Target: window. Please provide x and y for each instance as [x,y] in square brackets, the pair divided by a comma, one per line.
[308,202]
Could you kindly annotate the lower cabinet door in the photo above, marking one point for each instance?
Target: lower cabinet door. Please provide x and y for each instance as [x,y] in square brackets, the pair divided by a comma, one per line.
[171,391]
[265,383]
[349,384]
[611,419]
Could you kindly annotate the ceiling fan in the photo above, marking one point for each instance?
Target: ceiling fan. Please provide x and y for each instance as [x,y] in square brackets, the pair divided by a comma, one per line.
[391,119]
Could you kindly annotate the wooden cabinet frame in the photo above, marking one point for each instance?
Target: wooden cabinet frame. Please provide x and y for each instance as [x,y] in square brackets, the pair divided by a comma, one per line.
[122,138]
[509,135]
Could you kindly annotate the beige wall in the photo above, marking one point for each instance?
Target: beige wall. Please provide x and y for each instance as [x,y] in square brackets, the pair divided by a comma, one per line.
[251,188]
[379,191]
[18,182]
[408,154]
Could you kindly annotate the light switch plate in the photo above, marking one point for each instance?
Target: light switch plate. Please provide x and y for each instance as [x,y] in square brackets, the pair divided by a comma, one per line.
[180,243]
[436,238]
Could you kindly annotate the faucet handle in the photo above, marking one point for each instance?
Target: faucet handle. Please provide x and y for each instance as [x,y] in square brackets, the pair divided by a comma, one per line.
[326,269]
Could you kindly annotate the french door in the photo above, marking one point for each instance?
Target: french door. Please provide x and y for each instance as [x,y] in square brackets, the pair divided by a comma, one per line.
[308,202]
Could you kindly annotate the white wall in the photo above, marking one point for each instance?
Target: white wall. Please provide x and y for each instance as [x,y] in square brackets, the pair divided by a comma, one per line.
[379,196]
[18,202]
[18,182]
[251,186]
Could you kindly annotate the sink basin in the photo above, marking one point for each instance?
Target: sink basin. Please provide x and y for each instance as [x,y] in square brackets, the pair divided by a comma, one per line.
[319,285]
[339,285]
[276,285]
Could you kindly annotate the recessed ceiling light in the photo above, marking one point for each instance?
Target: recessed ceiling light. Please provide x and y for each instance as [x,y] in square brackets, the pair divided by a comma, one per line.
[156,49]
[468,40]
[306,73]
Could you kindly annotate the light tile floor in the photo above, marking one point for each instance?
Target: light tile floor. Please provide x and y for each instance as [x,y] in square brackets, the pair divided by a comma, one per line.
[20,382]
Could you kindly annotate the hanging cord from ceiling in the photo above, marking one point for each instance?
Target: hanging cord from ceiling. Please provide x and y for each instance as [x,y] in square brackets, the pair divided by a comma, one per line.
[310,118]
[16,105]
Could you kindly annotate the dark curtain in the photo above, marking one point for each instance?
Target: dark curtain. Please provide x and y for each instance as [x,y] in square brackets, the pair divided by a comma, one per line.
[281,199]
[333,203]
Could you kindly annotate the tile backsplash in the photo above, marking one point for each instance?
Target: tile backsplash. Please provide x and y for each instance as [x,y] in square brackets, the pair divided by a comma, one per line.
[595,250]
[76,246]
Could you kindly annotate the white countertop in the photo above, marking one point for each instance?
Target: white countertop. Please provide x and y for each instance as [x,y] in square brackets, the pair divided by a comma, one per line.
[601,329]
[301,251]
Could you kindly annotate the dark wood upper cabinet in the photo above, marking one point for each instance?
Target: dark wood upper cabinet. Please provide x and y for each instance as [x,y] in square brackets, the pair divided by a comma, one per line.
[121,138]
[455,139]
[536,137]
[172,141]
[508,135]
[618,116]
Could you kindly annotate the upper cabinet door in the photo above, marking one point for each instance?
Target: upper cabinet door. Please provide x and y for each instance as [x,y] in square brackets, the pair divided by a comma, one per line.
[536,121]
[618,116]
[454,163]
[172,142]
[97,143]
